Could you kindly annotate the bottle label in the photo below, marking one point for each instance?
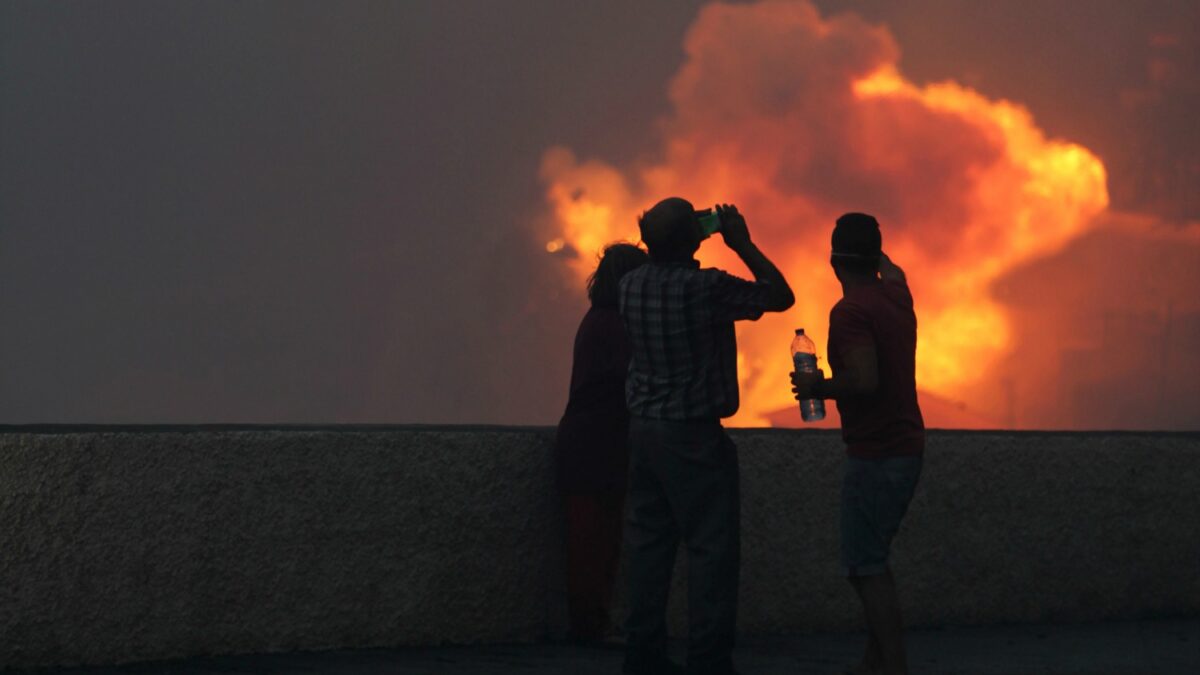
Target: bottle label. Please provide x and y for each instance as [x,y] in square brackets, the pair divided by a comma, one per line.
[804,362]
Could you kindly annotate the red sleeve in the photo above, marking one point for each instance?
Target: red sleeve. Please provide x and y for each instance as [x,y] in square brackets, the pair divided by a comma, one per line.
[899,290]
[850,326]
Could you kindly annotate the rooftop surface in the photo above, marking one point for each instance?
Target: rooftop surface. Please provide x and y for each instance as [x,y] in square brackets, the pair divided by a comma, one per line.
[1158,647]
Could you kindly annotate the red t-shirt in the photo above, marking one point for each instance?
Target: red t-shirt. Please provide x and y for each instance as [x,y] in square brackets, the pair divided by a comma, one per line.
[888,422]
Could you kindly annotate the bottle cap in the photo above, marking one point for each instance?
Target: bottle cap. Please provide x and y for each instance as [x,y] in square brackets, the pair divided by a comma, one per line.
[799,331]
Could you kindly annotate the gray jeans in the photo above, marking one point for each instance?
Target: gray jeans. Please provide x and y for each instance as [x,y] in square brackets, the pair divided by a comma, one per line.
[683,483]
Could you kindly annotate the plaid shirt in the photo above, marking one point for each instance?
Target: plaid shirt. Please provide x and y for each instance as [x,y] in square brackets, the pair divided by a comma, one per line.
[679,319]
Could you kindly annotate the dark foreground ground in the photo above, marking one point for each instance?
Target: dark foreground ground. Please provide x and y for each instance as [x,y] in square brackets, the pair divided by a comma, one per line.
[1160,647]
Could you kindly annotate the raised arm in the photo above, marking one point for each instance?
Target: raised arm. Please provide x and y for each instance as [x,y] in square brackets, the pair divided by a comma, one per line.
[890,271]
[737,237]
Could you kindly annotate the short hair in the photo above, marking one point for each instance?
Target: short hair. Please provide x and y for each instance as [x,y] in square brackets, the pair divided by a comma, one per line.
[615,262]
[857,243]
[670,229]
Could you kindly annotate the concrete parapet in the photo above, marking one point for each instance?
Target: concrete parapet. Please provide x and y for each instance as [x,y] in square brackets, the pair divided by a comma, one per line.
[132,543]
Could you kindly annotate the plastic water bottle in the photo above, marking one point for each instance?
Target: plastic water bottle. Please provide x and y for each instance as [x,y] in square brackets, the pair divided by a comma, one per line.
[804,357]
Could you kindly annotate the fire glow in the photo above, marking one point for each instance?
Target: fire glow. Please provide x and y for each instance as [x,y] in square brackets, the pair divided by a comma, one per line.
[798,118]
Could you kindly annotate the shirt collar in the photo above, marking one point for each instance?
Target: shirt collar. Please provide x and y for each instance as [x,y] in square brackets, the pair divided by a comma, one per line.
[687,264]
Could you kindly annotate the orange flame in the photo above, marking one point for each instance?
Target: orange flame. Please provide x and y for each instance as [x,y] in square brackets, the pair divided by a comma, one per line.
[797,119]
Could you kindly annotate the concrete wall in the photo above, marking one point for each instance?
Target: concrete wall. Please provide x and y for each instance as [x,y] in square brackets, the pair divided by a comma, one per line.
[123,544]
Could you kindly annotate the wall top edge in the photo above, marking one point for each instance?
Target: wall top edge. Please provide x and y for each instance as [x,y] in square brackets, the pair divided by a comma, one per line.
[50,429]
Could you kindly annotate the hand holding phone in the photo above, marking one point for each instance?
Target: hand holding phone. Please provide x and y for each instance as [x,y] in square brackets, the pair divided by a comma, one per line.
[710,222]
[733,226]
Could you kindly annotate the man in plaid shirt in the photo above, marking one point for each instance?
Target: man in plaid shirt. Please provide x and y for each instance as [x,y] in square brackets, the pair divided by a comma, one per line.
[683,467]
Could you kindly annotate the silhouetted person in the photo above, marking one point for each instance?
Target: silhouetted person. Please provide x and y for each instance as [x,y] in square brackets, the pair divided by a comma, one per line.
[872,353]
[683,468]
[592,448]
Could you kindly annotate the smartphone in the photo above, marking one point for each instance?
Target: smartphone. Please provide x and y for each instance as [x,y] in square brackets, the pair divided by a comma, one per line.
[710,222]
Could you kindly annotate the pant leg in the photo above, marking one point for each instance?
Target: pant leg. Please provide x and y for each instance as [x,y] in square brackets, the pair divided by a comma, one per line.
[611,523]
[651,539]
[702,481]
[593,545]
[875,496]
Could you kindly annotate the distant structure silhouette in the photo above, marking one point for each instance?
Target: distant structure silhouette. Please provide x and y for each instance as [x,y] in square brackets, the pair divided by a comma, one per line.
[592,448]
[683,467]
[872,353]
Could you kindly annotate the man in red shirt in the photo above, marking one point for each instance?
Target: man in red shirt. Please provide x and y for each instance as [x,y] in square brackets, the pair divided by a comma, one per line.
[872,352]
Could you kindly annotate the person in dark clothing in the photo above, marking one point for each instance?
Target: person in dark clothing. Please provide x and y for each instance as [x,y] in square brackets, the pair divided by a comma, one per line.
[592,448]
[683,467]
[872,351]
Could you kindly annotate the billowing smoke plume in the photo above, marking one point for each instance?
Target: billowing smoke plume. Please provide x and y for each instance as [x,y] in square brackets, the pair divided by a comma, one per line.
[798,118]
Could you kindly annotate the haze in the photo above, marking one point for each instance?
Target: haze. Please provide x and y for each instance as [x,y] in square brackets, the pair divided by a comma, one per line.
[310,213]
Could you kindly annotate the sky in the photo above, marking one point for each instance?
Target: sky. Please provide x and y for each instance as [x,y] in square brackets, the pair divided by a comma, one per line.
[303,212]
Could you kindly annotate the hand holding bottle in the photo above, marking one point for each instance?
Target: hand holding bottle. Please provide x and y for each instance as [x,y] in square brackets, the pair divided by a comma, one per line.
[802,383]
[804,358]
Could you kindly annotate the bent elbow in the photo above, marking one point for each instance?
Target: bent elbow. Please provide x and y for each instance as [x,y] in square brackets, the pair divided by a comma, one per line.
[783,301]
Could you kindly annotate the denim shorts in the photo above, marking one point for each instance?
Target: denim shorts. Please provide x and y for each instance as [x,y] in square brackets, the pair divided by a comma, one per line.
[875,497]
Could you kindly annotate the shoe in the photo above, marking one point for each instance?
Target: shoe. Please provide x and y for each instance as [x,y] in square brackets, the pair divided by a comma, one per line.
[657,666]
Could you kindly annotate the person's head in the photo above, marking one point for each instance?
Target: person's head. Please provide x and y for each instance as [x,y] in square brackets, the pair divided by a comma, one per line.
[671,230]
[857,246]
[615,262]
